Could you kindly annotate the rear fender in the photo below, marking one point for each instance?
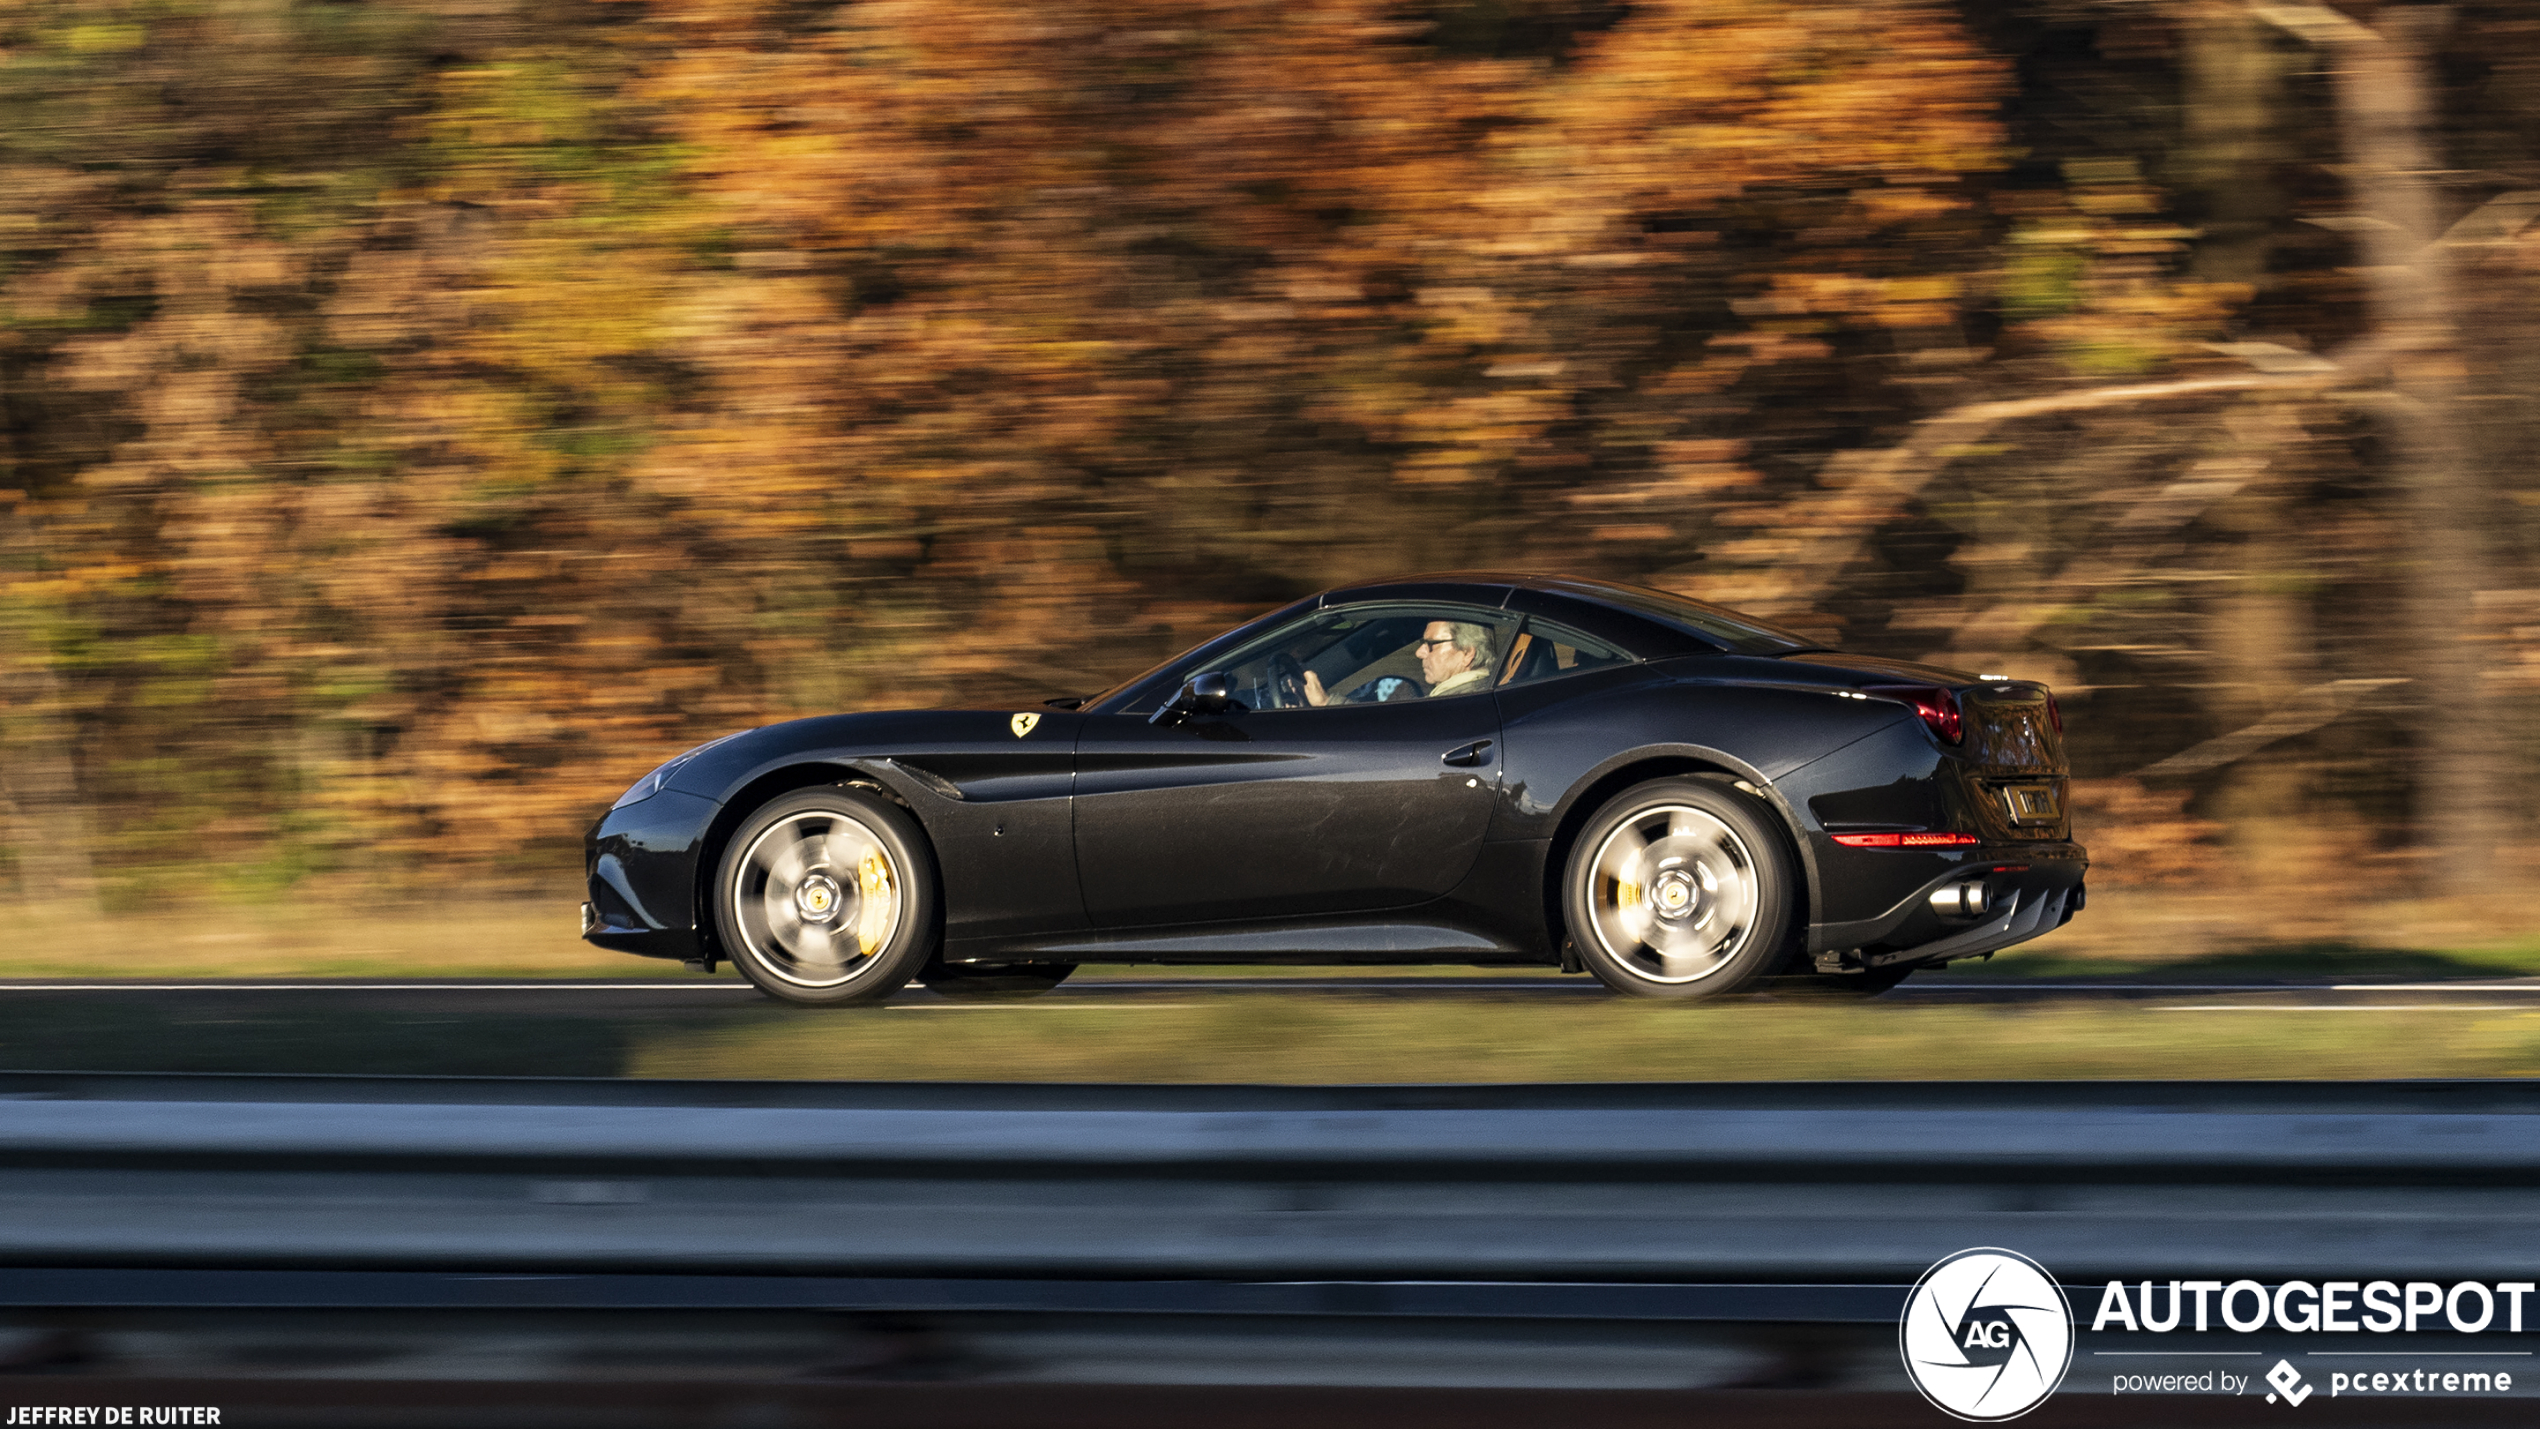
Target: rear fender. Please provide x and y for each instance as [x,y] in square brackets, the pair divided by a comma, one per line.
[1666,762]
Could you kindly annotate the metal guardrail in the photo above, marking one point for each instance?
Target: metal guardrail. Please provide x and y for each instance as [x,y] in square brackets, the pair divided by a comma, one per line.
[2432,1095]
[1690,1187]
[235,1289]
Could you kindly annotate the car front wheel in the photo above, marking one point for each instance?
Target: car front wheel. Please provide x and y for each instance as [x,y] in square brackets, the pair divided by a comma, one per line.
[827,897]
[1681,889]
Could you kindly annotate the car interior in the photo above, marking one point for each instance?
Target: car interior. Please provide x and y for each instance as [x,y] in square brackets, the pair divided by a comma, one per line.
[1371,656]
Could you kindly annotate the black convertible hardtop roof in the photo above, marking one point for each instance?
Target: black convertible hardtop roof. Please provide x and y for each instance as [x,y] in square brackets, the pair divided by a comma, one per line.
[1514,580]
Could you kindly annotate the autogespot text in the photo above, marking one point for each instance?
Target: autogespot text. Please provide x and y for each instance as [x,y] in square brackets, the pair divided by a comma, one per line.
[2377,1307]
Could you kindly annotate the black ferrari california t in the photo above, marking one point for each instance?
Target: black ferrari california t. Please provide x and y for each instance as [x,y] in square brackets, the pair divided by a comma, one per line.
[1464,768]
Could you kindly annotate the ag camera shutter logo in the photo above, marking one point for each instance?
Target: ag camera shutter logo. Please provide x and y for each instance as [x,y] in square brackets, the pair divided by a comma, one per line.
[1986,1335]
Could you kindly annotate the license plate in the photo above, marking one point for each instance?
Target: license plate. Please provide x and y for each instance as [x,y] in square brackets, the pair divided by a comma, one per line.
[2034,803]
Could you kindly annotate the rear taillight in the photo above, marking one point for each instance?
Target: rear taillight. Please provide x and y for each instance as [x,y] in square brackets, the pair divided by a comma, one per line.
[1938,707]
[1914,840]
[2055,714]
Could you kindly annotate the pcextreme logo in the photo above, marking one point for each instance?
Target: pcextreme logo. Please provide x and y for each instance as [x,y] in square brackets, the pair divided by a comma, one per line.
[1986,1335]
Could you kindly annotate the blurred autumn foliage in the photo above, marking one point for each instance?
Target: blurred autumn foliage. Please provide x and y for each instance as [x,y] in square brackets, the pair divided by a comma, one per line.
[416,419]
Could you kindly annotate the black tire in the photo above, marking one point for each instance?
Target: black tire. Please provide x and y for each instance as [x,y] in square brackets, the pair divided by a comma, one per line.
[993,982]
[1680,889]
[799,894]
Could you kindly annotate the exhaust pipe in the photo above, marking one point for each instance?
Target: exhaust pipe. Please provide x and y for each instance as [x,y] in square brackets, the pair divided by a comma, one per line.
[1961,900]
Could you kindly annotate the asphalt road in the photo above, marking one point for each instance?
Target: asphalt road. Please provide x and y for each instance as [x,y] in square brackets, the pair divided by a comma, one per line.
[618,996]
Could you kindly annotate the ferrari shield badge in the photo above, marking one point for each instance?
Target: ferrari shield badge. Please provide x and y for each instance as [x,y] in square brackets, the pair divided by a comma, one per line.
[1023,724]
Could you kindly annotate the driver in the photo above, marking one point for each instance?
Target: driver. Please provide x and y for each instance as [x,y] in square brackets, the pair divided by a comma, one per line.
[1455,658]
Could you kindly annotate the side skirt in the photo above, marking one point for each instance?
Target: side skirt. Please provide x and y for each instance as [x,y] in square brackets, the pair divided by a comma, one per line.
[1493,918]
[1304,943]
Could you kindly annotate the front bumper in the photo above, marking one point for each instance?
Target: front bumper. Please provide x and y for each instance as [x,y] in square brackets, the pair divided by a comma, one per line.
[641,871]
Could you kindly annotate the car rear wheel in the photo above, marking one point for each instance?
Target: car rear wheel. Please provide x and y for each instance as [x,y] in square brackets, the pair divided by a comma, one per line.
[827,897]
[1681,889]
[990,982]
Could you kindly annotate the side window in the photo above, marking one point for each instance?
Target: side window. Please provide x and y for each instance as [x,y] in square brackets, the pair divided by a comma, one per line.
[1545,651]
[1372,654]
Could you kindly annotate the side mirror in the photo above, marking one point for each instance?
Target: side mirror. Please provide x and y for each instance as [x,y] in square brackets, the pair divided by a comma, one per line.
[1212,693]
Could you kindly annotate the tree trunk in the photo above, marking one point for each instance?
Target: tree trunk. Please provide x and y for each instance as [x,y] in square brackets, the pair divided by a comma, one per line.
[2385,108]
[2266,647]
[45,821]
[2232,95]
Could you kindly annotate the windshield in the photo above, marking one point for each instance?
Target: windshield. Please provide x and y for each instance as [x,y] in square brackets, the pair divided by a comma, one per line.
[1743,634]
[1212,644]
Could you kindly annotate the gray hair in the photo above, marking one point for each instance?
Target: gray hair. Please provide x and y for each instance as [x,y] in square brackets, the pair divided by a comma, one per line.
[1473,640]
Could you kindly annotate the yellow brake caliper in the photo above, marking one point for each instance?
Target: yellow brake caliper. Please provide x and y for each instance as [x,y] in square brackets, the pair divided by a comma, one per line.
[873,919]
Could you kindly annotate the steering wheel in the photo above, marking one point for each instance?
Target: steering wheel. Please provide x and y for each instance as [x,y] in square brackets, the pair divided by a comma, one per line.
[1287,681]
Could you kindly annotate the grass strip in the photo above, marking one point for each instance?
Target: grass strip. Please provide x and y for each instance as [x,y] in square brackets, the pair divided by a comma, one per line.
[1301,1040]
[1274,1038]
[460,937]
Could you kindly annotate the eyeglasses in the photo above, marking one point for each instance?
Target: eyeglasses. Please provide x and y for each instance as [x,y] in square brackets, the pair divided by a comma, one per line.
[1425,644]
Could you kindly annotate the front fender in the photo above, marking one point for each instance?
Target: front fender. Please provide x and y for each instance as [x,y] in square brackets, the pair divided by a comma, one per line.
[990,788]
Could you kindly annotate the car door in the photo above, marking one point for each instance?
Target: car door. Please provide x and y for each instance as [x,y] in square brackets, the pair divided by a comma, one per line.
[1279,808]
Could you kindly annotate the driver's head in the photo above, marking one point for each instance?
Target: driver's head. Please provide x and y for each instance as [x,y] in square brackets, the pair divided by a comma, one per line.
[1450,647]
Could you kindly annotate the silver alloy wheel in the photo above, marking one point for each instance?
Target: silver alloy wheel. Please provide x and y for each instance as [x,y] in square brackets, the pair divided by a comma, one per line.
[1672,894]
[818,897]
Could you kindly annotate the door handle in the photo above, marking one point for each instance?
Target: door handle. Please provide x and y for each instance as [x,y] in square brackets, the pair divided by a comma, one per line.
[1466,756]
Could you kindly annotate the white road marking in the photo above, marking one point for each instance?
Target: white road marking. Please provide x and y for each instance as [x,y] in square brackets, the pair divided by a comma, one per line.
[374,987]
[2526,985]
[349,985]
[2532,986]
[1036,1004]
[1079,993]
[1304,985]
[2350,1007]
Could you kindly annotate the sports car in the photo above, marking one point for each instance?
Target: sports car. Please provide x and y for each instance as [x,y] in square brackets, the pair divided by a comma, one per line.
[1464,768]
